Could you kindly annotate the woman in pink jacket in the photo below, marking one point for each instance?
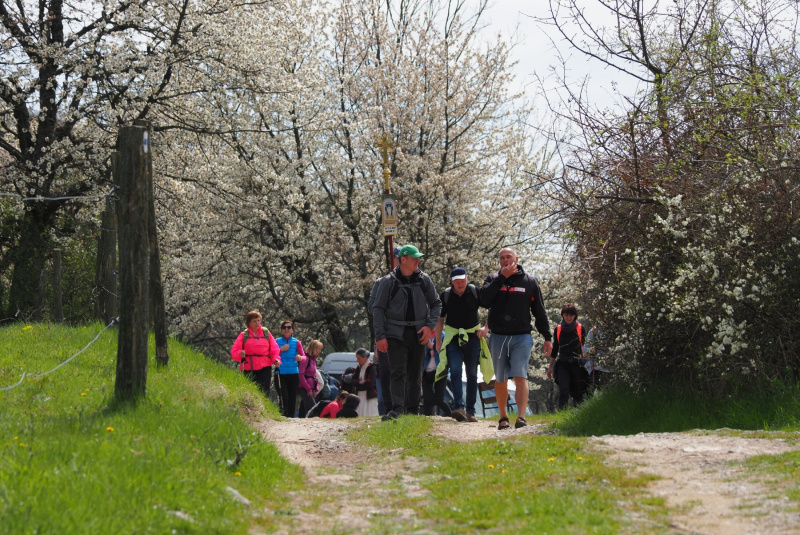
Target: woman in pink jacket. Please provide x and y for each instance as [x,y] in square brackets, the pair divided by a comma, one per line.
[256,352]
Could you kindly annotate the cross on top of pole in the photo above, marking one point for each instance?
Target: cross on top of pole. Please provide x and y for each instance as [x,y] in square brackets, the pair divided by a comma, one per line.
[386,145]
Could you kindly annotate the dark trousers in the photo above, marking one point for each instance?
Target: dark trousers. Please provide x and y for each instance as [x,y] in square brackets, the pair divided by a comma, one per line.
[262,378]
[289,386]
[306,402]
[571,380]
[405,363]
[433,394]
[384,376]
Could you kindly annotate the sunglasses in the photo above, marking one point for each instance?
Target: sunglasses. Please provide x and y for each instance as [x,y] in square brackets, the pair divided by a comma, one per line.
[286,327]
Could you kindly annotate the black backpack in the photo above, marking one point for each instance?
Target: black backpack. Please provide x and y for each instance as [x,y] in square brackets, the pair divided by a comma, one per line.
[316,410]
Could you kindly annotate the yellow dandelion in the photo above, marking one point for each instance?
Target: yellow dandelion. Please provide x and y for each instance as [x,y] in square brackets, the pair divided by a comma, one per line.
[551,459]
[27,328]
[88,389]
[491,466]
[580,458]
[237,474]
[109,428]
[16,438]
[503,471]
[21,444]
[83,393]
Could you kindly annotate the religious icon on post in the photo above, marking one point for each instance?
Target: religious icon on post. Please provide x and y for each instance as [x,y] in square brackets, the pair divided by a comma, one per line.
[389,215]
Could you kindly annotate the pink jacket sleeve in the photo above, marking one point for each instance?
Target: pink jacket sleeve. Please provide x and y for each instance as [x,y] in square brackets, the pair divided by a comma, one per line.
[237,347]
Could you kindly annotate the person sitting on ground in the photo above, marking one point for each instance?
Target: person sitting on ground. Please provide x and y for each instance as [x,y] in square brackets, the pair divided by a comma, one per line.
[332,408]
[364,381]
[350,407]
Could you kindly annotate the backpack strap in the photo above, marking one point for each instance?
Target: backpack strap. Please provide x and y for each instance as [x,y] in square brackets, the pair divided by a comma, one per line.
[246,334]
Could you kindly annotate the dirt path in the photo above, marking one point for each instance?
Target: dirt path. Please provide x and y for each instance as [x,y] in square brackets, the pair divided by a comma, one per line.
[709,495]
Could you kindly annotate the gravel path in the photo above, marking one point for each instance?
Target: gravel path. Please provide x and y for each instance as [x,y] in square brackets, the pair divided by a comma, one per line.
[699,476]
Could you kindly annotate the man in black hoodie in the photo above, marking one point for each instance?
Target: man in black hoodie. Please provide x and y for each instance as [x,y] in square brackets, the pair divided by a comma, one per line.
[513,298]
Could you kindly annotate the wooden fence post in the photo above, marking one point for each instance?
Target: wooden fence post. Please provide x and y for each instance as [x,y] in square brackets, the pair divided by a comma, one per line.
[158,307]
[58,307]
[135,168]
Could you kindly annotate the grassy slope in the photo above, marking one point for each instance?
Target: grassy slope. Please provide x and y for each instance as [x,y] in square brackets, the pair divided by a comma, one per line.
[71,464]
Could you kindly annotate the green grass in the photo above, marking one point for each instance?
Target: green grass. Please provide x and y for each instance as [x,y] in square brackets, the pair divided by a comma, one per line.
[73,462]
[781,474]
[70,463]
[619,411]
[523,484]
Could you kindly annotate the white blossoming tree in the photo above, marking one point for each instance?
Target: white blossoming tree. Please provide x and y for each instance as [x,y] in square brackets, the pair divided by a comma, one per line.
[294,226]
[72,72]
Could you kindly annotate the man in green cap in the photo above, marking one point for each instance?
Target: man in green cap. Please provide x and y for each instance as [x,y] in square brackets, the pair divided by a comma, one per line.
[405,308]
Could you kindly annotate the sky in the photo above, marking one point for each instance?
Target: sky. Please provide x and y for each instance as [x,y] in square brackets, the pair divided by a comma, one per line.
[535,52]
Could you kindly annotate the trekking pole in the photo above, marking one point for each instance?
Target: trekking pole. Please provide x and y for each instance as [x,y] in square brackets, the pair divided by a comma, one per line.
[277,375]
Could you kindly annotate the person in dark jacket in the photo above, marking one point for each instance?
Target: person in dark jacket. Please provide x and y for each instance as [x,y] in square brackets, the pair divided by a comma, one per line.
[350,407]
[569,372]
[513,297]
[405,308]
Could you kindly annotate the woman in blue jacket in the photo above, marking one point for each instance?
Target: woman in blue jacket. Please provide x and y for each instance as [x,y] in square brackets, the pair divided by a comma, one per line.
[289,372]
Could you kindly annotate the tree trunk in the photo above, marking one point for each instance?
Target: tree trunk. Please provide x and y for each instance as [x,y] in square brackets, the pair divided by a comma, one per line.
[28,257]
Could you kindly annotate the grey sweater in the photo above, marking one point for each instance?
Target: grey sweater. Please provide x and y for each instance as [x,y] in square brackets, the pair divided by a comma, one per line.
[389,299]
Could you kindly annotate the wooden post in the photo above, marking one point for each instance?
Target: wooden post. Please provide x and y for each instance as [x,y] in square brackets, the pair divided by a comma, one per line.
[158,308]
[58,307]
[135,168]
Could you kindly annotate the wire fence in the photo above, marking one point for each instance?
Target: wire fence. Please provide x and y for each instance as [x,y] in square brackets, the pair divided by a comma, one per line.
[113,321]
[40,198]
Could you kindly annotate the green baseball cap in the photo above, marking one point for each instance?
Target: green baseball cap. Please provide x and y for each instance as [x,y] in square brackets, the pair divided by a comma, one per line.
[409,250]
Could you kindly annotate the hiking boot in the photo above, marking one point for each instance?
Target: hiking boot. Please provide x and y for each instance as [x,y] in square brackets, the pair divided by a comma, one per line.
[391,415]
[459,415]
[471,418]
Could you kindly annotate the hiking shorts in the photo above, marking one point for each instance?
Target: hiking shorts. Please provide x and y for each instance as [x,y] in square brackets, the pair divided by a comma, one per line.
[511,354]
